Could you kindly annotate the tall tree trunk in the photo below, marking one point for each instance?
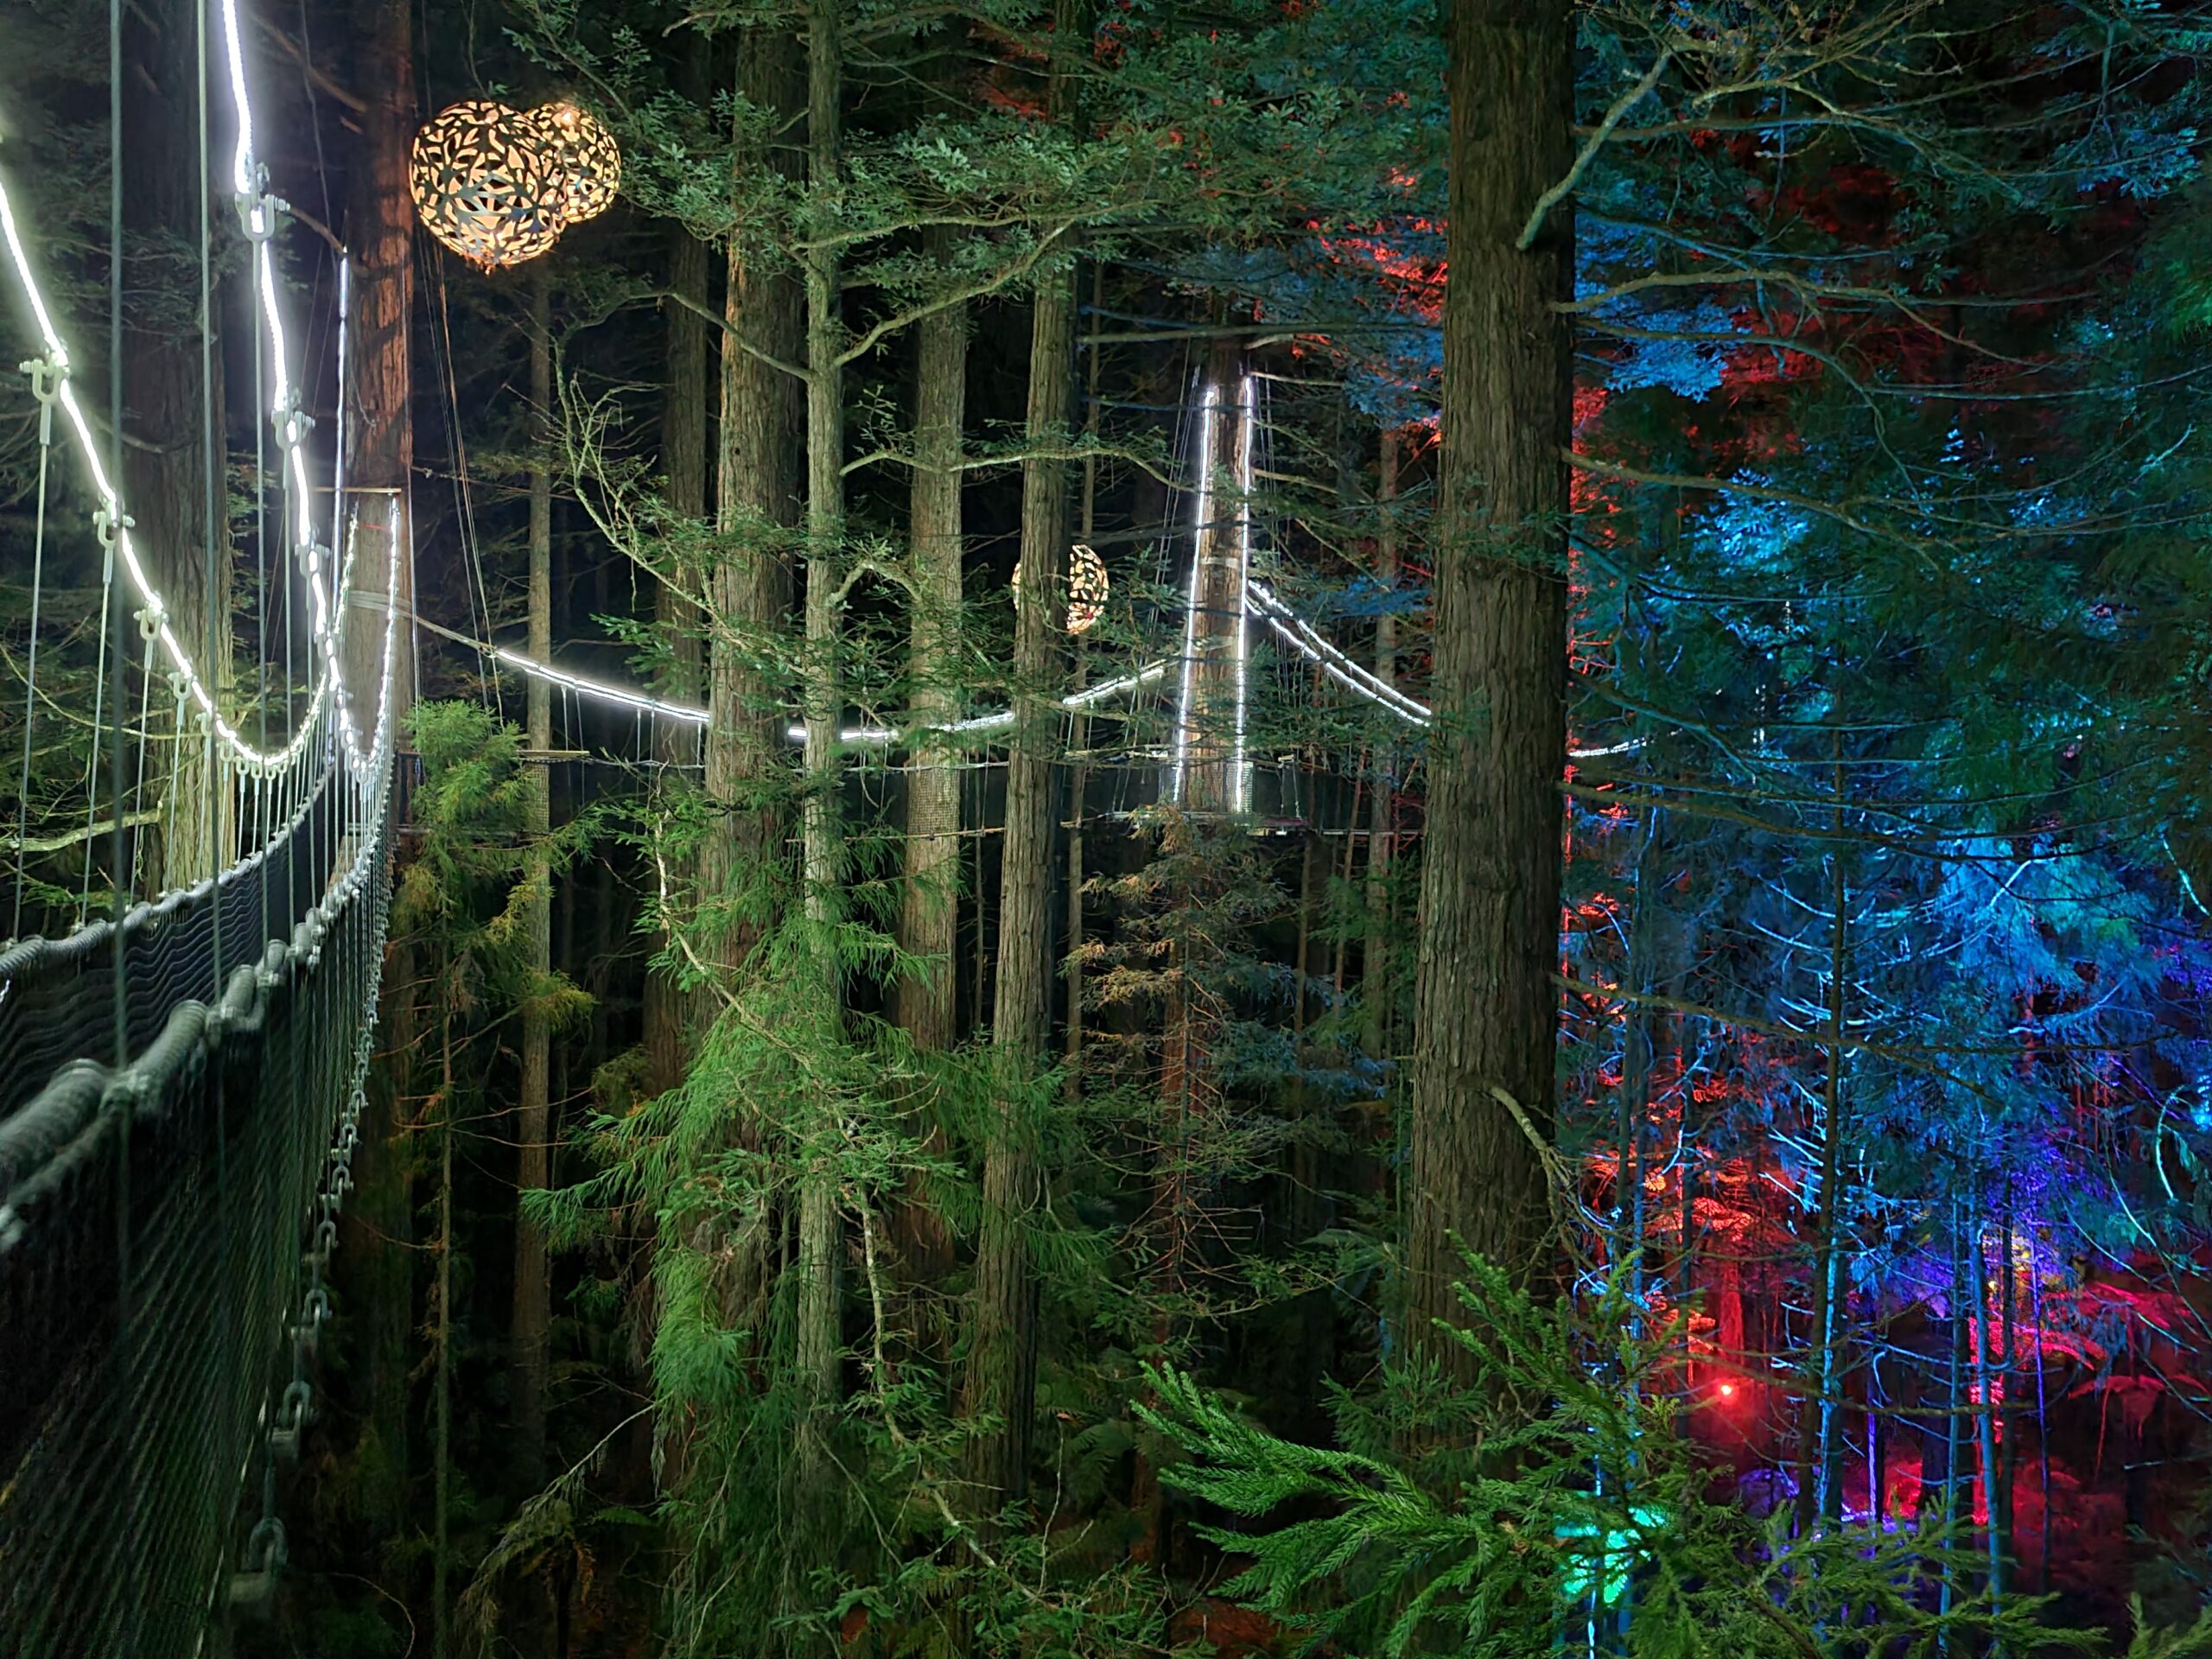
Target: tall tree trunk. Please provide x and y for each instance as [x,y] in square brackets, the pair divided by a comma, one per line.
[441,1410]
[929,919]
[684,464]
[822,703]
[533,1304]
[379,1223]
[930,913]
[1375,963]
[749,586]
[166,410]
[1486,1011]
[929,922]
[1079,727]
[1001,1380]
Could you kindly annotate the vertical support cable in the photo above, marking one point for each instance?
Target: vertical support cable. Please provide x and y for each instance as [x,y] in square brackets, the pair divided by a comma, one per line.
[45,375]
[1204,507]
[1248,416]
[127,1554]
[211,476]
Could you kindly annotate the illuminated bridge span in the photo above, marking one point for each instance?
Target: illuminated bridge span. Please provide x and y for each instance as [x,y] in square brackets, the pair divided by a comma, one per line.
[180,1083]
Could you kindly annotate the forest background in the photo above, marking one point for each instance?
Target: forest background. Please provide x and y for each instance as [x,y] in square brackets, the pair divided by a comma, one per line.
[936,1197]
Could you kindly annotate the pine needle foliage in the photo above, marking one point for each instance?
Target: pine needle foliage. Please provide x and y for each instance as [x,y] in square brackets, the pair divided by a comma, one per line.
[1584,1513]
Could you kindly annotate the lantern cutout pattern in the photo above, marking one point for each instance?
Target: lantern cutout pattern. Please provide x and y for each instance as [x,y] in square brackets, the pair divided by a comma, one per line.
[1087,588]
[498,186]
[587,165]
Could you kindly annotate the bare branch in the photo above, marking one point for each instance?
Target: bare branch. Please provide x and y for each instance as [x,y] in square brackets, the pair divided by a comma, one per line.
[1565,187]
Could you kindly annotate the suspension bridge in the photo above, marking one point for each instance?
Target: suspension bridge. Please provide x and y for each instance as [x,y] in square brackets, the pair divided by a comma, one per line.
[182,1078]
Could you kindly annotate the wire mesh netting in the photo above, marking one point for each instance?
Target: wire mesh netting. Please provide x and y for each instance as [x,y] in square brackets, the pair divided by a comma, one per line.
[54,994]
[158,1306]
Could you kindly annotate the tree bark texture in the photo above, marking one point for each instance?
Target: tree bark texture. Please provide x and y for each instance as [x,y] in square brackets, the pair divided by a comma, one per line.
[533,1304]
[927,998]
[749,586]
[930,915]
[379,1246]
[822,704]
[1485,1007]
[1001,1380]
[1374,962]
[166,419]
[683,437]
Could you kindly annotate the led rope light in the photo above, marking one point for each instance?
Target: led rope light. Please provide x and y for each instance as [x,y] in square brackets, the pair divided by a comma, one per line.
[338,434]
[1317,648]
[376,757]
[257,211]
[1191,604]
[113,525]
[872,736]
[1248,416]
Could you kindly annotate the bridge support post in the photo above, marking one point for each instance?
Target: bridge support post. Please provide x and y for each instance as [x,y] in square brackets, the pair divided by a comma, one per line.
[1210,772]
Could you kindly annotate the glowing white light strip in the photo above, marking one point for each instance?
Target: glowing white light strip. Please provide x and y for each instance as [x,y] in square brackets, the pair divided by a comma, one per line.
[254,762]
[338,434]
[379,754]
[591,688]
[1248,415]
[1317,648]
[1346,671]
[257,208]
[871,736]
[1191,605]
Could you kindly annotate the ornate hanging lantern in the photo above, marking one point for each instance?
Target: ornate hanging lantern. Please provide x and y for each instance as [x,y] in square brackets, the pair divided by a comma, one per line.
[481,175]
[1087,588]
[586,164]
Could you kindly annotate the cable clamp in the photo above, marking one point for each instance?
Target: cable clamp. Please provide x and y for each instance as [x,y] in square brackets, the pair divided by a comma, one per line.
[151,620]
[259,207]
[107,522]
[46,375]
[292,423]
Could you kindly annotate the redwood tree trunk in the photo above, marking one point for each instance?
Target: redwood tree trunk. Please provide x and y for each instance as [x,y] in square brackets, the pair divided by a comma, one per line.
[930,912]
[1375,963]
[929,920]
[684,463]
[533,1304]
[749,585]
[1485,1007]
[165,418]
[822,703]
[378,1225]
[1001,1380]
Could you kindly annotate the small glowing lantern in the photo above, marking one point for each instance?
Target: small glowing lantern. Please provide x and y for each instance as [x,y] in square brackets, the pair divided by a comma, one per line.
[586,164]
[481,177]
[1087,588]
